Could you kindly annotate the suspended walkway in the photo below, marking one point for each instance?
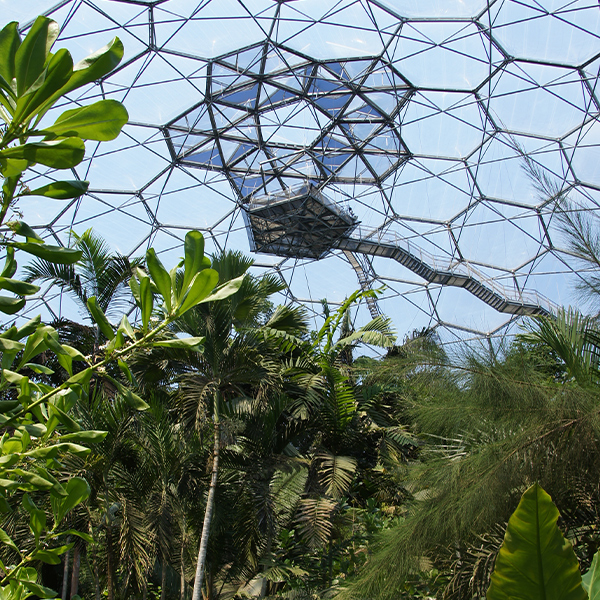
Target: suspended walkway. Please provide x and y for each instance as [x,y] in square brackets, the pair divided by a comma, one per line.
[301,222]
[438,270]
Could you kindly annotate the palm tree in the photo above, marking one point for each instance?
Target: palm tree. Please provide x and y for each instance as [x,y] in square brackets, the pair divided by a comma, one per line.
[241,359]
[99,273]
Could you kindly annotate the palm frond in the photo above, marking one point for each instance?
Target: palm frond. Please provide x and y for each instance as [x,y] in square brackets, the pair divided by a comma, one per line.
[314,520]
[335,473]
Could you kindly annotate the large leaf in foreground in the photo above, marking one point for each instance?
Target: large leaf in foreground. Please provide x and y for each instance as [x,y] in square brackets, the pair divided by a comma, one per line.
[591,580]
[535,561]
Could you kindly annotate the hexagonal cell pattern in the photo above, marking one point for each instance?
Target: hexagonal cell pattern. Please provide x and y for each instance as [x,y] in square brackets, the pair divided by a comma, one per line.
[424,121]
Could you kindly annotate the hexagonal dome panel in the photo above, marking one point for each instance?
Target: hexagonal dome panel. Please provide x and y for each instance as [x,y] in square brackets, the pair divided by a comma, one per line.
[348,143]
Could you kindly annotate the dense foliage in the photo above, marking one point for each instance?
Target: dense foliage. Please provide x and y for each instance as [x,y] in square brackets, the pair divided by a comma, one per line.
[216,447]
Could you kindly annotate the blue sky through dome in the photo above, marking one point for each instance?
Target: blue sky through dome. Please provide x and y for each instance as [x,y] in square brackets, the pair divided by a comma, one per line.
[416,115]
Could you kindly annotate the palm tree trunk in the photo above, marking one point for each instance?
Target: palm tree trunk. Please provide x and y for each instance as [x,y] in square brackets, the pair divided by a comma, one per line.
[65,581]
[163,580]
[210,504]
[182,563]
[110,564]
[75,575]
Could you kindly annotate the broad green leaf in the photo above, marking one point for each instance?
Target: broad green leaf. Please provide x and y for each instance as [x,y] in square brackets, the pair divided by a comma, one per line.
[100,318]
[6,539]
[189,343]
[51,557]
[31,55]
[224,291]
[12,446]
[84,536]
[13,377]
[29,327]
[37,521]
[12,167]
[82,377]
[78,490]
[36,429]
[41,369]
[36,343]
[22,229]
[126,327]
[101,121]
[10,345]
[55,254]
[34,479]
[201,287]
[43,452]
[89,437]
[8,405]
[591,580]
[147,302]
[9,44]
[92,68]
[131,398]
[58,154]
[161,277]
[39,590]
[60,190]
[55,75]
[10,264]
[124,368]
[535,561]
[64,418]
[9,306]
[18,287]
[194,260]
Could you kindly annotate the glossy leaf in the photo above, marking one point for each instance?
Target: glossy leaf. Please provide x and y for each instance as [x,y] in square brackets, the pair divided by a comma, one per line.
[18,287]
[201,287]
[147,302]
[101,121]
[10,306]
[161,277]
[55,254]
[31,55]
[39,590]
[55,76]
[130,397]
[58,154]
[591,580]
[189,343]
[194,260]
[21,228]
[100,318]
[60,190]
[87,437]
[9,44]
[10,264]
[535,561]
[224,291]
[7,540]
[90,69]
[10,345]
[77,490]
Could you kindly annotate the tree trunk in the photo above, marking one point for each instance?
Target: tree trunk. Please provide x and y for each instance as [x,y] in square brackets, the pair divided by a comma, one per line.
[182,563]
[210,504]
[163,580]
[110,564]
[65,581]
[75,575]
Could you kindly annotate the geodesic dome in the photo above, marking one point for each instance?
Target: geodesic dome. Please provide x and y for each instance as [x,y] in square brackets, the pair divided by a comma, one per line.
[436,130]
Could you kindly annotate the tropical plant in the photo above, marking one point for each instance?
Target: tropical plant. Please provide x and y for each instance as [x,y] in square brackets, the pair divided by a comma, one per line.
[98,273]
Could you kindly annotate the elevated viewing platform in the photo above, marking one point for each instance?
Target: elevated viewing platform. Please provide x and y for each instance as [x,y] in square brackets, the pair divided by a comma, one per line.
[302,222]
[299,222]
